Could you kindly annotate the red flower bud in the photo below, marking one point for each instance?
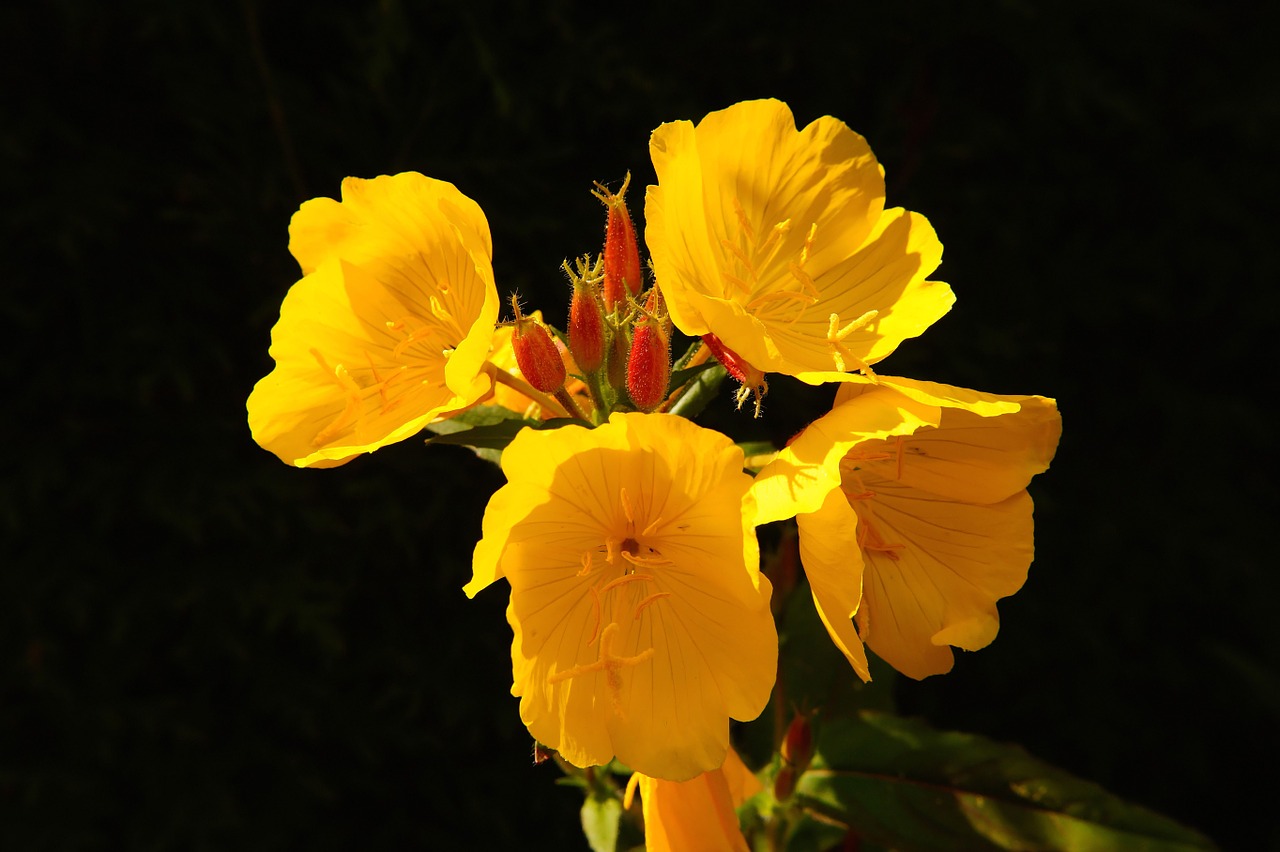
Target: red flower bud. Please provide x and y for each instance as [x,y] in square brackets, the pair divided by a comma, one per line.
[537,356]
[649,366]
[586,327]
[784,783]
[797,745]
[622,275]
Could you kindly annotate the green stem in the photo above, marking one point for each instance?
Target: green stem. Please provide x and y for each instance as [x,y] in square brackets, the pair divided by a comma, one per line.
[570,404]
[597,396]
[516,383]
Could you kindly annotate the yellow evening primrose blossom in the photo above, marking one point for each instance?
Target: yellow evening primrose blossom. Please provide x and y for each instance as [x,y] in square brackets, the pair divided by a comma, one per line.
[697,814]
[641,618]
[911,502]
[389,326]
[776,241]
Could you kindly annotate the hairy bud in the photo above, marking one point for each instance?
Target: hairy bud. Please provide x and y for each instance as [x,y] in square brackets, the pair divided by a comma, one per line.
[622,274]
[537,355]
[649,365]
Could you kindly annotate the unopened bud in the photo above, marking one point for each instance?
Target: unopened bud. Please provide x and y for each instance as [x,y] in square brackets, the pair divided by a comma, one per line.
[537,356]
[784,783]
[586,327]
[797,744]
[617,367]
[649,366]
[622,275]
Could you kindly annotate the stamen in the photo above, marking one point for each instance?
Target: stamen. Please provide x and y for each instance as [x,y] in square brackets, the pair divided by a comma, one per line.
[836,336]
[626,578]
[609,664]
[644,603]
[626,506]
[791,295]
[645,561]
[736,281]
[351,411]
[806,282]
[869,539]
[587,564]
[633,783]
[653,526]
[740,255]
[758,391]
[808,243]
[742,221]
[438,309]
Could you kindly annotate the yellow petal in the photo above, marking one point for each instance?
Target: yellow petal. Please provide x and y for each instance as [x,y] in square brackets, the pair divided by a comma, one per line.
[761,233]
[641,619]
[833,563]
[801,476]
[941,586]
[986,446]
[936,476]
[388,328]
[386,220]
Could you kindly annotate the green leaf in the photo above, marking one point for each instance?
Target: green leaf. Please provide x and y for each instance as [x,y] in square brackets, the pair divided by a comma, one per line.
[600,817]
[902,784]
[703,388]
[814,671]
[488,429]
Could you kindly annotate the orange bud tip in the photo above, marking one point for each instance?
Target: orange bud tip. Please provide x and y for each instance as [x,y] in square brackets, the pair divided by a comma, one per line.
[622,273]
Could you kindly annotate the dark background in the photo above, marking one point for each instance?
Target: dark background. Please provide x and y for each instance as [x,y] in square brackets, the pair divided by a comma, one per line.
[205,649]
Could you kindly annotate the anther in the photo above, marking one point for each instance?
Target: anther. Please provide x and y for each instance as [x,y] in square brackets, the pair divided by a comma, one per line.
[644,603]
[742,221]
[835,339]
[609,664]
[626,578]
[626,506]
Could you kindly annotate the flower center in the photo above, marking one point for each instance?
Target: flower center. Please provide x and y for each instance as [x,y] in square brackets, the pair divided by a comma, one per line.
[622,590]
[416,341]
[762,270]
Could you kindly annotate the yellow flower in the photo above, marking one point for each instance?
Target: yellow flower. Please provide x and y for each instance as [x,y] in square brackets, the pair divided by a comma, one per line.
[777,242]
[697,814]
[389,326]
[641,619]
[911,502]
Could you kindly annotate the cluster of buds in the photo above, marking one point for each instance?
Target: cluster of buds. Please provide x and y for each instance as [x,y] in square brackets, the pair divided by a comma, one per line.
[619,336]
